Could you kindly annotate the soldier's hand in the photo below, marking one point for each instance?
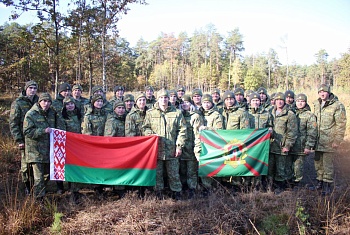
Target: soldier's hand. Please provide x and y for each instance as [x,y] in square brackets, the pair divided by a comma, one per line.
[285,150]
[178,152]
[202,128]
[334,145]
[307,151]
[48,130]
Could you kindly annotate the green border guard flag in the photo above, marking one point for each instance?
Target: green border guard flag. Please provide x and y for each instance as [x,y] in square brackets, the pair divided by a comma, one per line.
[234,152]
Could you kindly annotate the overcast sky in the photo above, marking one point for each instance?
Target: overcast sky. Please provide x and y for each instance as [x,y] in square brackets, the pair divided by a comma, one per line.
[307,25]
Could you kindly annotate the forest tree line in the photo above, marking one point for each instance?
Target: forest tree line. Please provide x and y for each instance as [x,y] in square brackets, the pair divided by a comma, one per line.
[80,48]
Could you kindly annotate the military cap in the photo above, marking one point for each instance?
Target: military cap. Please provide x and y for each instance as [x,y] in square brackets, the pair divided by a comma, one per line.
[96,97]
[207,97]
[162,92]
[150,88]
[96,88]
[289,93]
[254,95]
[129,97]
[228,94]
[248,93]
[45,96]
[239,91]
[216,90]
[262,90]
[279,96]
[117,88]
[77,87]
[118,103]
[64,87]
[68,99]
[197,91]
[324,87]
[139,95]
[301,97]
[272,96]
[187,98]
[181,88]
[30,83]
[172,92]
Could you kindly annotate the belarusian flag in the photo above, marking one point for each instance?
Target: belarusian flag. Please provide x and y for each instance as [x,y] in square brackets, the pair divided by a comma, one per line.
[103,160]
[234,152]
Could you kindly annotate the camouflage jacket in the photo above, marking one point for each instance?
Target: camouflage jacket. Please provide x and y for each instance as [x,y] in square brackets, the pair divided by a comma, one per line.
[57,104]
[220,106]
[235,118]
[115,99]
[115,125]
[94,122]
[150,102]
[37,142]
[285,130]
[260,118]
[192,145]
[134,121]
[81,104]
[307,131]
[267,105]
[19,108]
[72,122]
[243,105]
[169,125]
[213,120]
[331,123]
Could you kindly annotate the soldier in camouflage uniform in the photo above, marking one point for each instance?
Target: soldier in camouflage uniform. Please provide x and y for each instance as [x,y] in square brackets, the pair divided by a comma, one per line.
[107,107]
[64,90]
[80,101]
[191,151]
[265,99]
[235,117]
[180,91]
[247,94]
[115,124]
[134,119]
[118,92]
[259,117]
[215,93]
[129,102]
[72,119]
[331,121]
[306,139]
[95,117]
[150,99]
[19,108]
[213,120]
[37,128]
[197,99]
[284,136]
[241,102]
[168,123]
[174,101]
[290,102]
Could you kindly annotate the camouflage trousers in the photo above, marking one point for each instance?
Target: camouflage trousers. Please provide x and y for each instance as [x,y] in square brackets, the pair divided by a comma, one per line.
[298,167]
[189,173]
[171,168]
[41,173]
[324,166]
[26,174]
[280,167]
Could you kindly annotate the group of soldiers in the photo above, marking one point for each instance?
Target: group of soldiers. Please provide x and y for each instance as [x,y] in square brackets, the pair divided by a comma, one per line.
[177,118]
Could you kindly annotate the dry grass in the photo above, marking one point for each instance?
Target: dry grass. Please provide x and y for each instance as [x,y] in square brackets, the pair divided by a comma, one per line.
[292,212]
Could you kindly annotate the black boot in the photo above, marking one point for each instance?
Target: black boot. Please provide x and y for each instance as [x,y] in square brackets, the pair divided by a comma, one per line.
[326,189]
[318,186]
[159,195]
[280,187]
[27,188]
[60,189]
[176,196]
[191,193]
